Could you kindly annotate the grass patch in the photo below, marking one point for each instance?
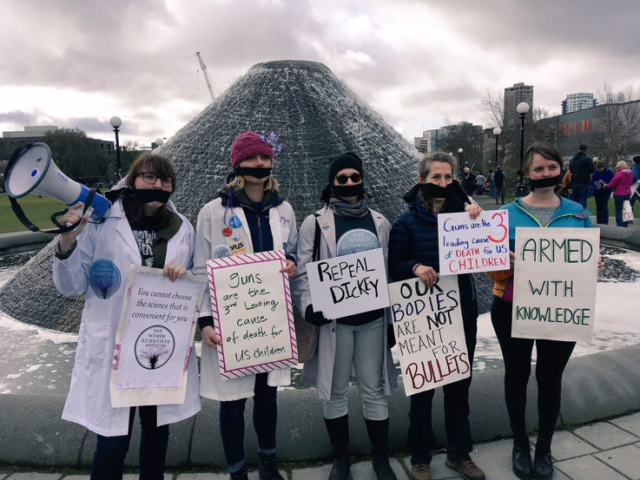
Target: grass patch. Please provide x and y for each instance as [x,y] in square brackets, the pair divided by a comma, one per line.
[38,210]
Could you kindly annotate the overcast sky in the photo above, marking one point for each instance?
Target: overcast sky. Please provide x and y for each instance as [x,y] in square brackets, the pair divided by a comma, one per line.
[75,63]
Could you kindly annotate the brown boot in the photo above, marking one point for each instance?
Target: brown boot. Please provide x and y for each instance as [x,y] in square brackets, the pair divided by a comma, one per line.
[421,471]
[467,468]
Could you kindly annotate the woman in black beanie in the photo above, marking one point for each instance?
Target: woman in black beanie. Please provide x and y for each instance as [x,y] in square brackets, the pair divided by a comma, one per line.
[346,225]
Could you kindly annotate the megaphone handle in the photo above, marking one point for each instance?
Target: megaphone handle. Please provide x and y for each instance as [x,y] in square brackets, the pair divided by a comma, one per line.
[64,228]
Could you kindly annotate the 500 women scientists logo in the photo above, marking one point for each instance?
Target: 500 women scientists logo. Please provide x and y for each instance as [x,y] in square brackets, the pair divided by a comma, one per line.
[154,347]
[104,278]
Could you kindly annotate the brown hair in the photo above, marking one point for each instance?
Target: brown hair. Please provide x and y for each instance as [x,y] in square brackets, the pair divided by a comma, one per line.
[149,162]
[546,150]
[423,166]
[600,164]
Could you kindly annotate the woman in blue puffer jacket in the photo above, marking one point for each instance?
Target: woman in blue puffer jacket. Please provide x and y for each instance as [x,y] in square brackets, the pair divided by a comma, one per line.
[542,208]
[413,252]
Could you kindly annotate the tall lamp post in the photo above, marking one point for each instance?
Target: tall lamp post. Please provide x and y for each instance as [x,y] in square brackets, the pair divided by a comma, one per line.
[115,123]
[521,188]
[159,142]
[496,134]
[460,150]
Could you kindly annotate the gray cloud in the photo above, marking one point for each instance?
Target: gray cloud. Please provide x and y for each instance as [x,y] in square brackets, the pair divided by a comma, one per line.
[142,52]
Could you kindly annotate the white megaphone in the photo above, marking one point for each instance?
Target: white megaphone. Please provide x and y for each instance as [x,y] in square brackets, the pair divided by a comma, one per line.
[33,171]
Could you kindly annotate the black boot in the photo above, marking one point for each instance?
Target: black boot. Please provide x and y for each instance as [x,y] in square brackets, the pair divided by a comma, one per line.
[521,458]
[378,431]
[269,467]
[338,430]
[543,464]
[240,474]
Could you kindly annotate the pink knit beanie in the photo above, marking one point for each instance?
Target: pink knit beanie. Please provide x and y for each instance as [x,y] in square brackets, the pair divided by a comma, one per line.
[247,145]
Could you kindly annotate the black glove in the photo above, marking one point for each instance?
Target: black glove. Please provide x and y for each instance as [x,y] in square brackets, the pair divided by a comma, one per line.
[315,318]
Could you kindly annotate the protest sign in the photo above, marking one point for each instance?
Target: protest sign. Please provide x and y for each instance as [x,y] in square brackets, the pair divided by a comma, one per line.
[427,323]
[554,290]
[154,338]
[350,284]
[252,313]
[473,246]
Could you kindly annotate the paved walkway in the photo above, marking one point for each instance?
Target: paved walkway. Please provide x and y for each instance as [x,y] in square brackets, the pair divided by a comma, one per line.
[607,450]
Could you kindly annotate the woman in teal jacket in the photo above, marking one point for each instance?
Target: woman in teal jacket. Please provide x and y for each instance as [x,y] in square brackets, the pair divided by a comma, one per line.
[541,208]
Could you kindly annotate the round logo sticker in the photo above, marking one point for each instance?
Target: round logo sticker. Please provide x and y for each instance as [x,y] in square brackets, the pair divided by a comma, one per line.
[235,222]
[104,278]
[221,251]
[154,347]
[356,241]
[325,226]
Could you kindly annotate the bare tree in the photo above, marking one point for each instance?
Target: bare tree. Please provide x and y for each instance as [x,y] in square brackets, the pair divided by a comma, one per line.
[462,135]
[617,126]
[492,109]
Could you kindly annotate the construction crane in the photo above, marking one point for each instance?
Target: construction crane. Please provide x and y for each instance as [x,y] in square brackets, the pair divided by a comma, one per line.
[203,67]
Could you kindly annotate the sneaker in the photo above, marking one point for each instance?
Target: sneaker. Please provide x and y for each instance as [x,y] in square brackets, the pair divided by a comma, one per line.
[466,468]
[421,471]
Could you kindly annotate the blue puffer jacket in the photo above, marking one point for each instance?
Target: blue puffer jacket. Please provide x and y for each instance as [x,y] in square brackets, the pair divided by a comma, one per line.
[570,214]
[414,239]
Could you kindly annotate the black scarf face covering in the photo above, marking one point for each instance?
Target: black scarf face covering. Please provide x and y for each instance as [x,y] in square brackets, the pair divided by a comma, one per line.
[545,182]
[431,190]
[348,190]
[139,196]
[254,172]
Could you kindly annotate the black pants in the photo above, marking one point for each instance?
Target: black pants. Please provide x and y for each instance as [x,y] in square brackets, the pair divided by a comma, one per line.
[108,460]
[552,359]
[265,419]
[602,209]
[422,439]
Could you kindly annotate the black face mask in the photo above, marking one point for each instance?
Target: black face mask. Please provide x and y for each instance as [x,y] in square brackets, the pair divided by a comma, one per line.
[431,190]
[254,172]
[545,182]
[139,196]
[348,190]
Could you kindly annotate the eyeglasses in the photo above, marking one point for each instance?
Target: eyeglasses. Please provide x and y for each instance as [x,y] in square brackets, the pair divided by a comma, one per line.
[152,178]
[343,179]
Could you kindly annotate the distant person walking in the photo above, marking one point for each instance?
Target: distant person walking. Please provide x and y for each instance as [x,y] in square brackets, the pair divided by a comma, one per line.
[581,168]
[479,183]
[621,186]
[469,182]
[601,177]
[499,181]
[635,187]
[490,178]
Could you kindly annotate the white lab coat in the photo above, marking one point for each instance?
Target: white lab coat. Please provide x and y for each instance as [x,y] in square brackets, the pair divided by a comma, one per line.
[209,236]
[89,399]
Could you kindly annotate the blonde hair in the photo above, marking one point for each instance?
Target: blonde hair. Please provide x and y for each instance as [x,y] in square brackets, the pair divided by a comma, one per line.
[238,184]
[621,164]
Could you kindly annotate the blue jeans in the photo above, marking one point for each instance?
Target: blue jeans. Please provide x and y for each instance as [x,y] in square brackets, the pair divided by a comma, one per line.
[491,190]
[499,191]
[619,202]
[108,459]
[265,418]
[363,347]
[581,193]
[602,209]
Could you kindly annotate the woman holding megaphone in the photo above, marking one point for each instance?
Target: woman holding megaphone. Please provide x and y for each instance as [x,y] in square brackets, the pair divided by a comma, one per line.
[143,228]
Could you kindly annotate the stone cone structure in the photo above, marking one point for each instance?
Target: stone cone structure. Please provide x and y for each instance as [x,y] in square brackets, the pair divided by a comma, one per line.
[316,117]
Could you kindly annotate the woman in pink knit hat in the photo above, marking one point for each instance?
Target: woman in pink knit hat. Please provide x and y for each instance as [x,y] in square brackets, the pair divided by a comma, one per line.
[247,217]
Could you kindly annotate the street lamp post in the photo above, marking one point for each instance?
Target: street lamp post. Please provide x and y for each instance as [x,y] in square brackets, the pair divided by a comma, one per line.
[158,143]
[521,188]
[496,134]
[460,155]
[115,123]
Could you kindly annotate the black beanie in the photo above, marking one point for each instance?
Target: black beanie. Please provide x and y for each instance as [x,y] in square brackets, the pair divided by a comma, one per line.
[346,160]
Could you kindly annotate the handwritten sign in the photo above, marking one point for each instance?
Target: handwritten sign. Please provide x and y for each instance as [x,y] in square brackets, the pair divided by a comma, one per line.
[427,323]
[154,338]
[350,284]
[554,290]
[252,313]
[472,246]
